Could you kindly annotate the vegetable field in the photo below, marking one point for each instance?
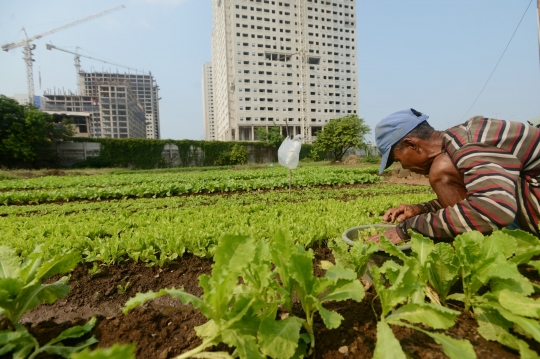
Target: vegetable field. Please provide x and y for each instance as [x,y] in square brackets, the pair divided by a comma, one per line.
[147,264]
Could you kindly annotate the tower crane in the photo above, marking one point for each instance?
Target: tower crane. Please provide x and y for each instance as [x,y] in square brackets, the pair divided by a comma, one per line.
[303,60]
[78,60]
[28,46]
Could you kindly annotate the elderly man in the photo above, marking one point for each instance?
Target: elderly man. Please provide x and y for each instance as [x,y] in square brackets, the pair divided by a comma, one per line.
[485,173]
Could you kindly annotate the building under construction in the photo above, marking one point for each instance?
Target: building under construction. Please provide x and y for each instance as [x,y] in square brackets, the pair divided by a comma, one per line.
[143,87]
[113,111]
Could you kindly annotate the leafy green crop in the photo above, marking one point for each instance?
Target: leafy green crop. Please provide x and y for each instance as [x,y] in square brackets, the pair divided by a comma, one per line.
[117,351]
[490,262]
[156,231]
[399,285]
[242,314]
[21,290]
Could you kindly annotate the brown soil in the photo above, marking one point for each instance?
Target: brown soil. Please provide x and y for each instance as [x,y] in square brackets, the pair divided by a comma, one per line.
[164,328]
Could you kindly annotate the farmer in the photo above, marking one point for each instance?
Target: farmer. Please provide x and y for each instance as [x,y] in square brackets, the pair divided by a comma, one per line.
[485,173]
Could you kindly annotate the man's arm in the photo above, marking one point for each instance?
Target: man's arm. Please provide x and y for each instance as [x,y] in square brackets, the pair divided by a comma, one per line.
[490,177]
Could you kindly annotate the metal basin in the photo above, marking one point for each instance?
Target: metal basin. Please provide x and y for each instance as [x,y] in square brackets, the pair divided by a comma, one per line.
[351,235]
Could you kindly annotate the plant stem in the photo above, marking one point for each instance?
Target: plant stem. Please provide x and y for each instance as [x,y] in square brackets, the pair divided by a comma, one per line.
[196,350]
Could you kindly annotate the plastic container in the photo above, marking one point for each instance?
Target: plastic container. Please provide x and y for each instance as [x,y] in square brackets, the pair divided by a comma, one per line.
[378,258]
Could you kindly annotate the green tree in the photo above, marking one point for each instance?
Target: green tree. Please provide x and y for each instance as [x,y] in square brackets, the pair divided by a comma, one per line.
[271,137]
[340,135]
[25,131]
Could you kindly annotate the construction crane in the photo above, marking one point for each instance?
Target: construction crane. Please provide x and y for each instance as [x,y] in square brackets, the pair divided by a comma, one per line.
[28,46]
[303,60]
[78,60]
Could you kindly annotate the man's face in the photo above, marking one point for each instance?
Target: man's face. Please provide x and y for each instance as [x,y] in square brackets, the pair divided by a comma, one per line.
[412,158]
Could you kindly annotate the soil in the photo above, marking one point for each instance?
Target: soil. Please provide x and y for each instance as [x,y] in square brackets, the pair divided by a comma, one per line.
[163,328]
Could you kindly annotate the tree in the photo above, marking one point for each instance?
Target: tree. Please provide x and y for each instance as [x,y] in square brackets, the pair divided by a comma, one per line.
[271,137]
[25,131]
[340,135]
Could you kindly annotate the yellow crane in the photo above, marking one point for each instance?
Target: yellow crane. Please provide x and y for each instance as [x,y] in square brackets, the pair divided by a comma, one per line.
[28,46]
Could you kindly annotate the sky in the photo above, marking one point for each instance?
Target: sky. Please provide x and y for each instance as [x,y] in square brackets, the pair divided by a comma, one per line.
[433,56]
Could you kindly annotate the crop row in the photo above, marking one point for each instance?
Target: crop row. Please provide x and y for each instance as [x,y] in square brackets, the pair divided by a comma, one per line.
[170,226]
[269,197]
[206,182]
[139,177]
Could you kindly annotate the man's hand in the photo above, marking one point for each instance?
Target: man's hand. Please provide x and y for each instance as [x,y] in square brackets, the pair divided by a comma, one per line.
[390,234]
[402,212]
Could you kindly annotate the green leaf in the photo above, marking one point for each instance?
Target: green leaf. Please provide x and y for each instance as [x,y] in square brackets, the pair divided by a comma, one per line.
[435,316]
[490,323]
[246,345]
[117,351]
[527,245]
[391,248]
[337,272]
[405,284]
[508,243]
[330,318]
[61,263]
[387,346]
[511,341]
[9,263]
[343,290]
[442,269]
[535,265]
[454,348]
[421,247]
[301,270]
[74,332]
[518,284]
[186,298]
[212,355]
[460,297]
[279,338]
[65,351]
[519,304]
[530,326]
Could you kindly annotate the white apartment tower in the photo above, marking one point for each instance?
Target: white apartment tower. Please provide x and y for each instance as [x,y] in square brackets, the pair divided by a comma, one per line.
[257,51]
[208,102]
[143,87]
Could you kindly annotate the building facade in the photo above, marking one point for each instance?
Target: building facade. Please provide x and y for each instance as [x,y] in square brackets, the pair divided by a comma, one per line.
[208,102]
[113,112]
[143,88]
[257,65]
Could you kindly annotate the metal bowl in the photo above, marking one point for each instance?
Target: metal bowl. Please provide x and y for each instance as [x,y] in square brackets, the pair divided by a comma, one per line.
[351,235]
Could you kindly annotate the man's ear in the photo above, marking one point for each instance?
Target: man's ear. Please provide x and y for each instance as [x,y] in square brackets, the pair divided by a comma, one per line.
[411,143]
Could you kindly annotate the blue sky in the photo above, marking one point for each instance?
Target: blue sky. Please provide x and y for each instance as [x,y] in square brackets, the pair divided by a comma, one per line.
[433,56]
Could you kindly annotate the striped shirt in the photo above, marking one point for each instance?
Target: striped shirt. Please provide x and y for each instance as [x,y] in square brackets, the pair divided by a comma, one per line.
[500,164]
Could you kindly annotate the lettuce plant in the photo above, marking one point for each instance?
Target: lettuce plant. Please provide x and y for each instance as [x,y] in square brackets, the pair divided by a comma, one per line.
[21,289]
[243,313]
[398,285]
[505,308]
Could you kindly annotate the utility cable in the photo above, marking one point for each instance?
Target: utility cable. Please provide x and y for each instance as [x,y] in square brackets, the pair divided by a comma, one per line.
[500,58]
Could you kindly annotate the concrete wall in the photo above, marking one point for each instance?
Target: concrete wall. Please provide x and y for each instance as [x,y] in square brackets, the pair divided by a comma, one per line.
[70,153]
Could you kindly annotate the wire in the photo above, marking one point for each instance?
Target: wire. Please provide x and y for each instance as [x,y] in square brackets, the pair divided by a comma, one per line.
[500,58]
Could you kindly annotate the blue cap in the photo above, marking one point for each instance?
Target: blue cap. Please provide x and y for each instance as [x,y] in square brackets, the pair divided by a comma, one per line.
[393,128]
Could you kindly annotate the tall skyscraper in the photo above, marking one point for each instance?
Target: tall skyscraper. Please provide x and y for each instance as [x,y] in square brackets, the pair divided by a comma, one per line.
[143,87]
[257,48]
[208,102]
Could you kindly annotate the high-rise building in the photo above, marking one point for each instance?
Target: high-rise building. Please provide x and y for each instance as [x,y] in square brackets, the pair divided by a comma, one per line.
[208,102]
[143,87]
[257,48]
